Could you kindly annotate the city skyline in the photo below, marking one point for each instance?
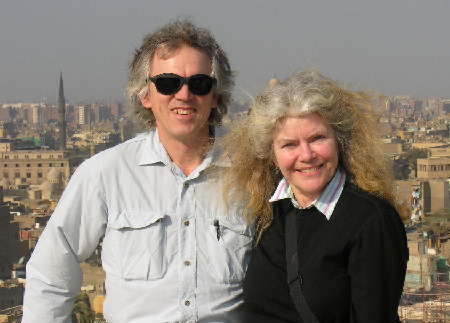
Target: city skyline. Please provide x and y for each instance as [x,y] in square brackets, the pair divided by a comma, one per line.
[396,48]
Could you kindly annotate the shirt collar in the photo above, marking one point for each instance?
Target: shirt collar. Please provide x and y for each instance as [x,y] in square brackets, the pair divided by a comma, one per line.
[325,203]
[155,152]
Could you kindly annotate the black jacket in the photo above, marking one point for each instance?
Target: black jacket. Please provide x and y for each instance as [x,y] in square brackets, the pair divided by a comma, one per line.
[353,266]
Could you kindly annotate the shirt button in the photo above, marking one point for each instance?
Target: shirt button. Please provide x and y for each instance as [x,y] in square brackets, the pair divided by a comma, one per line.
[187,303]
[186,223]
[186,185]
[187,263]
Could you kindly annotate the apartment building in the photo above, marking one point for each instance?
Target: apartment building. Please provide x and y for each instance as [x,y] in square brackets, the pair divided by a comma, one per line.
[5,259]
[433,168]
[11,295]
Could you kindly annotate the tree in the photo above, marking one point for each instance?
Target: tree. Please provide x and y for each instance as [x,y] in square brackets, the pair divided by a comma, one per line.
[407,162]
[402,168]
[82,309]
[413,154]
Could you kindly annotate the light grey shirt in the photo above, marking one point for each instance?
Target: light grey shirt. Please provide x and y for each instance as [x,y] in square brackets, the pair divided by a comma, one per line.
[172,251]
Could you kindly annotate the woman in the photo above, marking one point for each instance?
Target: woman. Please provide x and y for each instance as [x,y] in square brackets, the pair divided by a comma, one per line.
[311,148]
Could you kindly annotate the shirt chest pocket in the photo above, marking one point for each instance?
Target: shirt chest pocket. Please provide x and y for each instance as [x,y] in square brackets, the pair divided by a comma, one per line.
[229,246]
[137,245]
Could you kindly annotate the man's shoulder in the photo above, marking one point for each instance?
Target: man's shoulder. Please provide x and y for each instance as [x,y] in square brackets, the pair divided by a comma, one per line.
[126,151]
[133,143]
[130,144]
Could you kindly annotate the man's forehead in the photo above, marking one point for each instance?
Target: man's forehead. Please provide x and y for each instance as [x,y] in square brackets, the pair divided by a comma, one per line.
[171,60]
[166,51]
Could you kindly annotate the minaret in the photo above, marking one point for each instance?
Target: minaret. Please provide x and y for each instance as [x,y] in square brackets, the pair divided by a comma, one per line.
[61,115]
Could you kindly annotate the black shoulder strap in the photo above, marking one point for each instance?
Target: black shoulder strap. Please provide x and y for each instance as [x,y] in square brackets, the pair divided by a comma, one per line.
[294,277]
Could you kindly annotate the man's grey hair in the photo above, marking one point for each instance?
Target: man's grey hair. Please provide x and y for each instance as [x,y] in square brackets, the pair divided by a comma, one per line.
[166,41]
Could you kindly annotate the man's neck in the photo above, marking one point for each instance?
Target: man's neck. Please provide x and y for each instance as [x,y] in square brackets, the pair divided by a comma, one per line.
[187,154]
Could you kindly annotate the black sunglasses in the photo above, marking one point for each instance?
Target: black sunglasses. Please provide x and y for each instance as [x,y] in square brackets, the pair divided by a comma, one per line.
[168,83]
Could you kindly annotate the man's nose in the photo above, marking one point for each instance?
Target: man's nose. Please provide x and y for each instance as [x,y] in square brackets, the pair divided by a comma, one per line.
[184,94]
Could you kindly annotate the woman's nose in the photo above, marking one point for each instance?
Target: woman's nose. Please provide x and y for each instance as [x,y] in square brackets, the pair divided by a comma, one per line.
[306,152]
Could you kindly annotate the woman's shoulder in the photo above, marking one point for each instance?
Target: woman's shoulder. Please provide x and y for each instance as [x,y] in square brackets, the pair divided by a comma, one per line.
[360,198]
[358,205]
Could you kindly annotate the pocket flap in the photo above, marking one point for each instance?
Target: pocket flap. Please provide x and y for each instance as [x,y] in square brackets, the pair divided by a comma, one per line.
[237,225]
[134,219]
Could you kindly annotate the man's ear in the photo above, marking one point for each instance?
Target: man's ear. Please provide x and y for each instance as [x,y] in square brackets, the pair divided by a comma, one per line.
[146,103]
[215,100]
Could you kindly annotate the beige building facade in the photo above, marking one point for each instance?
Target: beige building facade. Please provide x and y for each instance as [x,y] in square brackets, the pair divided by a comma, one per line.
[33,166]
[433,168]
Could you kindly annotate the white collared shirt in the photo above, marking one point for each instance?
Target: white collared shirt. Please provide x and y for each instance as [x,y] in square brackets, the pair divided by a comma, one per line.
[171,251]
[325,203]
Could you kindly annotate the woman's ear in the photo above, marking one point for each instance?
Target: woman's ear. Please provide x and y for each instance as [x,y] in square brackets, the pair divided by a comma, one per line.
[274,160]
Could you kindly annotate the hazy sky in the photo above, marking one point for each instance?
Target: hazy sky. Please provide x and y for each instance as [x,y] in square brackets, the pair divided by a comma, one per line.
[393,46]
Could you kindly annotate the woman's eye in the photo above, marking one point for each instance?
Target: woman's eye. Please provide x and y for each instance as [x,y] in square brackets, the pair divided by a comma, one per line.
[318,137]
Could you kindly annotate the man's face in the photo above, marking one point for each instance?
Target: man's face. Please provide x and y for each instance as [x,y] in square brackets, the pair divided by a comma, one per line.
[181,116]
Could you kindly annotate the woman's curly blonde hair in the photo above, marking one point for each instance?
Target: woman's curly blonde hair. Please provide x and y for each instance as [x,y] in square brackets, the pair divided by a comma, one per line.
[252,177]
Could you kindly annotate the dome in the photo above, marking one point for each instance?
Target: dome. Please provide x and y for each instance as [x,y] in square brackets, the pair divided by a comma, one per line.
[54,175]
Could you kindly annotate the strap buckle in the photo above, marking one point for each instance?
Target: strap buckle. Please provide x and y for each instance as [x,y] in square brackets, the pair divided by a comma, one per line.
[299,278]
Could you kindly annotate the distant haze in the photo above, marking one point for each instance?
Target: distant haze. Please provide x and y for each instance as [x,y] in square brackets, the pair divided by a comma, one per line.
[398,47]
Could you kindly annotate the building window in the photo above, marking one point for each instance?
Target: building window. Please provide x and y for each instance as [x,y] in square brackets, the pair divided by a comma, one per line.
[5,165]
[39,175]
[17,165]
[5,174]
[38,156]
[27,157]
[62,164]
[50,165]
[28,165]
[39,165]
[16,175]
[60,156]
[6,157]
[28,175]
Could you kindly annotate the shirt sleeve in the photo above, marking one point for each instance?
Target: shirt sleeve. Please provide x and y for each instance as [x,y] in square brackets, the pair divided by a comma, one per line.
[377,267]
[53,275]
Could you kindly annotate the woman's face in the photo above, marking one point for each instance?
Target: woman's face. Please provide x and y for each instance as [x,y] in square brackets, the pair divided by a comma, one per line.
[306,151]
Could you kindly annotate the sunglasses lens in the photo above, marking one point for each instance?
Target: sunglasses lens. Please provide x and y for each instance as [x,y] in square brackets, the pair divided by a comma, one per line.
[200,84]
[168,84]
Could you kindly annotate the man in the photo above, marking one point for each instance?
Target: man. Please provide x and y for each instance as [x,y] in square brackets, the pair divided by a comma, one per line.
[172,251]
